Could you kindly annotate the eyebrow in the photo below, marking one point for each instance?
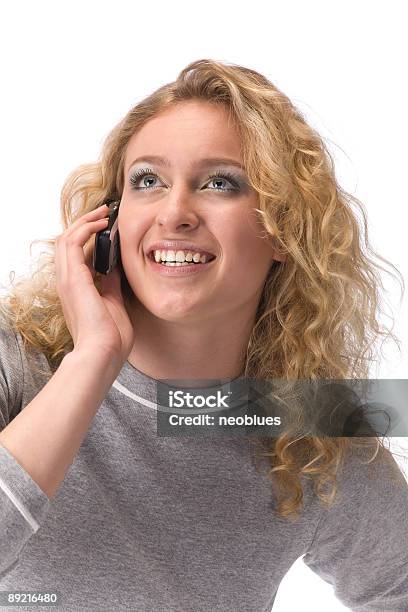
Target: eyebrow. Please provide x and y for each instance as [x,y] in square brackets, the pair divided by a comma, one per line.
[205,162]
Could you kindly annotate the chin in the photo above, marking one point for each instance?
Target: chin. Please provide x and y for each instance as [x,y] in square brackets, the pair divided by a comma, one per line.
[176,312]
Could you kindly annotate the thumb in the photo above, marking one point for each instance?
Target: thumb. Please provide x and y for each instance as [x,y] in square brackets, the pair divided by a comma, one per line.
[111,285]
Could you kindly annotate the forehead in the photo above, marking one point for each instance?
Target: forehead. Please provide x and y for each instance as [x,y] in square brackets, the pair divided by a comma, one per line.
[193,128]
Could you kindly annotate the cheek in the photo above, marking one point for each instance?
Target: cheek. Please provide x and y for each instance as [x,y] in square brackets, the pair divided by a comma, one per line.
[246,258]
[243,239]
[131,232]
[247,271]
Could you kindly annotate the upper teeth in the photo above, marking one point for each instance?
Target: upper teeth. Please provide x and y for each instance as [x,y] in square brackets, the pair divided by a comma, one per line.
[179,256]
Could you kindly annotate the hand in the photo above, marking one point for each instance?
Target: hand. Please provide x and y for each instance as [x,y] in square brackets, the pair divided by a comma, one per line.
[100,320]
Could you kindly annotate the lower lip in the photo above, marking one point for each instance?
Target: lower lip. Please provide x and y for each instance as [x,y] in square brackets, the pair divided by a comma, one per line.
[179,270]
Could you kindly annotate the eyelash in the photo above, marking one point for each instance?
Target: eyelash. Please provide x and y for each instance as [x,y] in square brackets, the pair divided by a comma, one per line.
[138,174]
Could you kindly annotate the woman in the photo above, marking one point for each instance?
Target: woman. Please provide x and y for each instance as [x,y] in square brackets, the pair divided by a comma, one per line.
[97,507]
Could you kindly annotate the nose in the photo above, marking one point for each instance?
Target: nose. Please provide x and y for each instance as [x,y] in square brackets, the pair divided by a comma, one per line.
[177,211]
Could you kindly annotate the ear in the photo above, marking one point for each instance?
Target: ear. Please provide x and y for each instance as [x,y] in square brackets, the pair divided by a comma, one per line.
[277,256]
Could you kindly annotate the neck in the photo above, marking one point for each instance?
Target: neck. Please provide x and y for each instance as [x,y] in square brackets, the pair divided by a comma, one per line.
[209,349]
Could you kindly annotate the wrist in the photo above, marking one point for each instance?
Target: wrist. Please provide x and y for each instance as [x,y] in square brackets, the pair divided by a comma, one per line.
[97,356]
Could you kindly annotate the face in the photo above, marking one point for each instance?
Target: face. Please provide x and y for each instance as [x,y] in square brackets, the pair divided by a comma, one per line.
[184,200]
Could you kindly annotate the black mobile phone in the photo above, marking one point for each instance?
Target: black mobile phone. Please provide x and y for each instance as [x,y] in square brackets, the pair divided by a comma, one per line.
[106,253]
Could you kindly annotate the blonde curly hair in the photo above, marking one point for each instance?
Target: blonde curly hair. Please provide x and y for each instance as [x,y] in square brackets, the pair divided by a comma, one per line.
[318,316]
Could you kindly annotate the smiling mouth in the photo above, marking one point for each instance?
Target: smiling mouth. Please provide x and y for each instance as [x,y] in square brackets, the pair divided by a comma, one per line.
[208,259]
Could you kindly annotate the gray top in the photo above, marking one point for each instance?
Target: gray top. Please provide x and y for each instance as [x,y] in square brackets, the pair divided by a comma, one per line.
[169,524]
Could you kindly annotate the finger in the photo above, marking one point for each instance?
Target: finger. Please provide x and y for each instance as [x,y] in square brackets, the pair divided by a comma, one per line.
[92,215]
[88,254]
[83,235]
[60,247]
[70,253]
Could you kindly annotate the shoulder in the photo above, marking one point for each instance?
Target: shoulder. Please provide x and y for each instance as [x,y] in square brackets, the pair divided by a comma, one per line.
[10,374]
[370,491]
[23,371]
[370,473]
[360,544]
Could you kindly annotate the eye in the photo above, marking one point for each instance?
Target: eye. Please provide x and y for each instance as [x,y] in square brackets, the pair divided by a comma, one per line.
[138,174]
[221,176]
[217,176]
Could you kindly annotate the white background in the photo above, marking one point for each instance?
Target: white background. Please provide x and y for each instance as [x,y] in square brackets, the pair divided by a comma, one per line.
[71,70]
